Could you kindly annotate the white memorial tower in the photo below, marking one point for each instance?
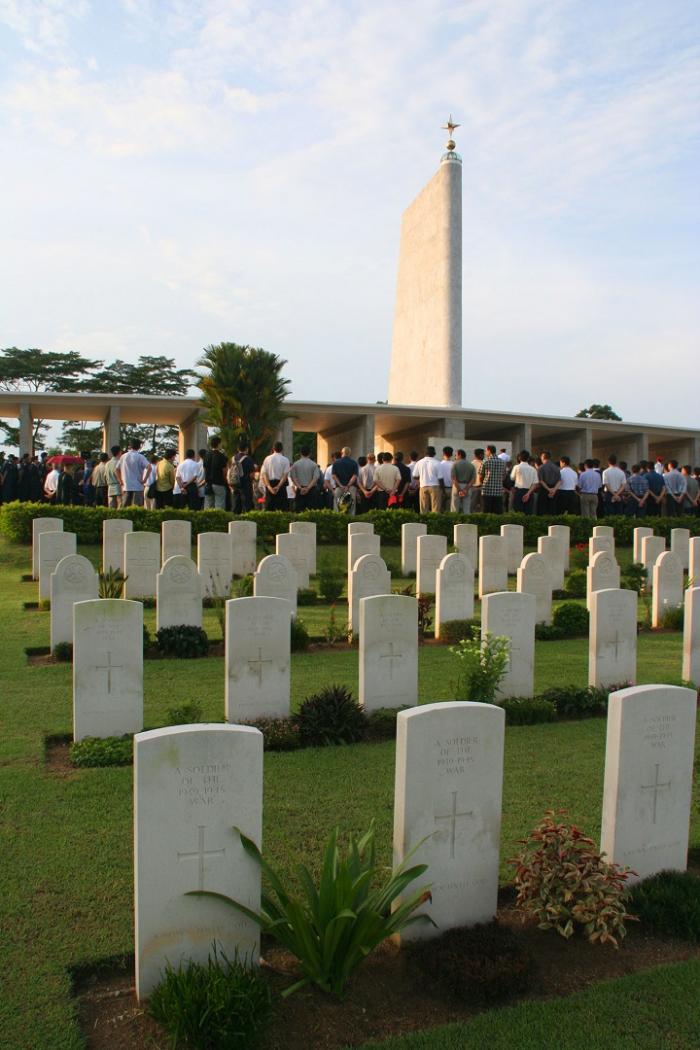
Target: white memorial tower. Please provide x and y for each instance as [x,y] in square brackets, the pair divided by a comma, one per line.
[426,350]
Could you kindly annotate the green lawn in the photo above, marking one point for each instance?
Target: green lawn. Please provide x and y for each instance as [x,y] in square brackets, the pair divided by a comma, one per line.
[67,840]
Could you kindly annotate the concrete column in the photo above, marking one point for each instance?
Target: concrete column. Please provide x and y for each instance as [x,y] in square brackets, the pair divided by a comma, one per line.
[522,438]
[357,432]
[285,434]
[26,429]
[193,434]
[450,428]
[110,428]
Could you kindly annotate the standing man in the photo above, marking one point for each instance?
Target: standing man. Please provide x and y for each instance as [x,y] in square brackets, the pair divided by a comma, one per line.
[329,483]
[550,482]
[462,476]
[240,478]
[345,472]
[589,484]
[427,470]
[273,475]
[492,472]
[387,478]
[568,501]
[99,480]
[446,477]
[114,489]
[676,488]
[638,491]
[165,479]
[402,496]
[525,480]
[475,494]
[132,471]
[657,490]
[304,476]
[186,477]
[615,486]
[215,463]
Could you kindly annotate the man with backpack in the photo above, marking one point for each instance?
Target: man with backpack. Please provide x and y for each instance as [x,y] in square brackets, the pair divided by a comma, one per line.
[240,479]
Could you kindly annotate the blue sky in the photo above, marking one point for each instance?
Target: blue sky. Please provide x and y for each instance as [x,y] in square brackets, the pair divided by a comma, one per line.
[180,173]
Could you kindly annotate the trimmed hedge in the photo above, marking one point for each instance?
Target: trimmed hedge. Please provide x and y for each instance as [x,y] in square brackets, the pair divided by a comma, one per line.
[86,522]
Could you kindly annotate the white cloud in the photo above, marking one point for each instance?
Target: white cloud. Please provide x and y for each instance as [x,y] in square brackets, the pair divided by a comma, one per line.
[43,26]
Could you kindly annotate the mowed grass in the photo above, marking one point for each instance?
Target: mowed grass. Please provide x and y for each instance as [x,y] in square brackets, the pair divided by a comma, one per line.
[67,839]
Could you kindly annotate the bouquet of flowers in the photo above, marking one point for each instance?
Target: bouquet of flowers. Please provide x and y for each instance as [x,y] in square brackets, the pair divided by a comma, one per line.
[345,503]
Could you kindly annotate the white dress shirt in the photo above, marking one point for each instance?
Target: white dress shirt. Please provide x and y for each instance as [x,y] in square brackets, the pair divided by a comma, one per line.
[427,470]
[275,467]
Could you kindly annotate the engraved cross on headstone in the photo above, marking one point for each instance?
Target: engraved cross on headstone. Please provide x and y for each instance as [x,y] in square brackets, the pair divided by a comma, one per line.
[200,853]
[109,667]
[655,787]
[453,817]
[257,665]
[391,656]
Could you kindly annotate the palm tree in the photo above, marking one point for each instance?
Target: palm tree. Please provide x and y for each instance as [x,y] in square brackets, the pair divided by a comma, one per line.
[243,394]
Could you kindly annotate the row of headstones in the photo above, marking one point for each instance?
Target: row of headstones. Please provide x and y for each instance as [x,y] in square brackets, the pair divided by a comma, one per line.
[195,786]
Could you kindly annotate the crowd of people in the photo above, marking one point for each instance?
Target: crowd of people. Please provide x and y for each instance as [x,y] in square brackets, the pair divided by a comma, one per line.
[489,482]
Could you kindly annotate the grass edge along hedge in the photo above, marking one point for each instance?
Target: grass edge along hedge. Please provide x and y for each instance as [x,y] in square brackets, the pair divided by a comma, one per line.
[86,522]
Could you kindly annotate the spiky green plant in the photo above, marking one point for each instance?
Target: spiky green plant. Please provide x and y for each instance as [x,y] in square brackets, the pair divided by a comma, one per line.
[111,584]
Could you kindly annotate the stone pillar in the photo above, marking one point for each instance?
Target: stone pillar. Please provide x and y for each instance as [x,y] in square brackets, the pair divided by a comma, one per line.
[357,432]
[26,429]
[450,428]
[521,438]
[285,434]
[110,428]
[193,434]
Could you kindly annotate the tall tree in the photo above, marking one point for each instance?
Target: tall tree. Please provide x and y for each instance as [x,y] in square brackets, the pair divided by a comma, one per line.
[243,393]
[598,412]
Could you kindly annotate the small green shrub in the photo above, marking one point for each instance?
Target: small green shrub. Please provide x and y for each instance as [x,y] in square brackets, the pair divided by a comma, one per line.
[279,734]
[669,904]
[331,716]
[484,963]
[635,578]
[183,641]
[571,619]
[527,710]
[381,724]
[102,751]
[573,701]
[336,632]
[575,584]
[330,585]
[146,639]
[578,557]
[332,927]
[484,663]
[562,881]
[63,652]
[186,714]
[306,596]
[218,1006]
[547,632]
[455,630]
[672,618]
[243,587]
[299,635]
[111,584]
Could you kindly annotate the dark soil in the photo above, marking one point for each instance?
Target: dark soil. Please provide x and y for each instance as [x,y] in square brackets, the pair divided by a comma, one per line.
[57,757]
[389,994]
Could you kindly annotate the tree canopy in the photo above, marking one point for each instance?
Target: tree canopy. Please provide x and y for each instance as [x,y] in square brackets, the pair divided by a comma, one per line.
[598,412]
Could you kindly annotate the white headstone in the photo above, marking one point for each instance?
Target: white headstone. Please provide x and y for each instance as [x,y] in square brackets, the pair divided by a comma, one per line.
[257,658]
[388,651]
[603,574]
[430,552]
[680,545]
[448,790]
[356,527]
[454,595]
[493,567]
[368,578]
[603,530]
[141,564]
[276,578]
[294,548]
[563,534]
[652,547]
[668,586]
[244,536]
[74,580]
[552,550]
[534,578]
[638,535]
[649,778]
[176,540]
[307,529]
[513,535]
[612,645]
[512,615]
[410,532]
[192,786]
[691,636]
[694,561]
[215,563]
[107,668]
[113,532]
[596,544]
[466,540]
[179,594]
[40,525]
[52,547]
[359,544]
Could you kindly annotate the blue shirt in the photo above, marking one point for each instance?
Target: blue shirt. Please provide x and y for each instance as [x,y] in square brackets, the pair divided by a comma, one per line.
[655,482]
[344,468]
[589,482]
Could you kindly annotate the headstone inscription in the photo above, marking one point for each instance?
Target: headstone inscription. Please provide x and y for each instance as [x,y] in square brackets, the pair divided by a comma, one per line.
[493,569]
[511,615]
[454,595]
[74,580]
[52,547]
[649,778]
[534,578]
[257,658]
[193,785]
[307,529]
[668,586]
[691,636]
[276,578]
[141,564]
[244,536]
[431,551]
[40,525]
[612,645]
[176,540]
[107,667]
[513,535]
[215,563]
[409,546]
[113,532]
[388,651]
[294,548]
[448,788]
[179,593]
[466,540]
[368,578]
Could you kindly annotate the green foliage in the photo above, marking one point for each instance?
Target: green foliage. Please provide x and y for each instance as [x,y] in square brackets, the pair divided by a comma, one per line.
[635,578]
[222,1005]
[484,664]
[331,928]
[330,585]
[527,710]
[306,596]
[573,701]
[484,963]
[425,609]
[571,619]
[336,632]
[598,412]
[183,641]
[103,751]
[243,587]
[146,639]
[63,652]
[111,584]
[381,723]
[547,632]
[185,714]
[669,904]
[299,635]
[279,734]
[575,583]
[331,716]
[672,618]
[562,881]
[455,630]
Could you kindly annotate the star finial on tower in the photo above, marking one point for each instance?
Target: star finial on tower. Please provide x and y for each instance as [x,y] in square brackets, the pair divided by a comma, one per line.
[449,127]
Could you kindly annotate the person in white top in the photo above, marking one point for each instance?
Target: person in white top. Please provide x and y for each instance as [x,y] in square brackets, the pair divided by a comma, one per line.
[525,481]
[427,471]
[568,500]
[505,456]
[201,477]
[186,481]
[150,501]
[273,477]
[614,483]
[132,471]
[51,484]
[446,464]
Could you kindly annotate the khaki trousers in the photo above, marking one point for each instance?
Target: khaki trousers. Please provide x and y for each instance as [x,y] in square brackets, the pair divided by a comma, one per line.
[430,499]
